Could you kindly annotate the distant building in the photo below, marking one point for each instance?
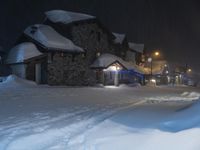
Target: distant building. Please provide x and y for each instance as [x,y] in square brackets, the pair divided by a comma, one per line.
[159,71]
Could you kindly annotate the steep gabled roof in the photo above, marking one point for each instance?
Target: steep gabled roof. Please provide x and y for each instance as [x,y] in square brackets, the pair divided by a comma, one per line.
[105,60]
[66,17]
[119,38]
[22,52]
[50,39]
[136,47]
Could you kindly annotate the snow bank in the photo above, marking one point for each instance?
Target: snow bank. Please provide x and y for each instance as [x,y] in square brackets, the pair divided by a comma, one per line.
[60,118]
[49,38]
[138,128]
[22,52]
[184,119]
[14,81]
[66,17]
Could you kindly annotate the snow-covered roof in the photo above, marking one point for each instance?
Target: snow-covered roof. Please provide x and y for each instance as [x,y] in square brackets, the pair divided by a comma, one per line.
[105,60]
[119,38]
[66,17]
[22,52]
[49,38]
[137,47]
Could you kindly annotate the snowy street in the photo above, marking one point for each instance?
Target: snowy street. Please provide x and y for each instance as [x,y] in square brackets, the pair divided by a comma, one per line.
[36,117]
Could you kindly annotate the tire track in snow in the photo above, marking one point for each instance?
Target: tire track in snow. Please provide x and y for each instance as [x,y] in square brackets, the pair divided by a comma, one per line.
[77,124]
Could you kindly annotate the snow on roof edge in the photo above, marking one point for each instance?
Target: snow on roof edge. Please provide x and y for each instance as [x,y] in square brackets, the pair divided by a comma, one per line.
[22,52]
[67,17]
[51,39]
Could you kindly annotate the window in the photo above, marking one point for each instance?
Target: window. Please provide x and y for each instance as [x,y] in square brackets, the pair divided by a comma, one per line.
[73,58]
[83,55]
[110,75]
[50,58]
[62,54]
[99,36]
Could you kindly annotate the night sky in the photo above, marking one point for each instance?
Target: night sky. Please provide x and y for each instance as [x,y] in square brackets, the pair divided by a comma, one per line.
[173,26]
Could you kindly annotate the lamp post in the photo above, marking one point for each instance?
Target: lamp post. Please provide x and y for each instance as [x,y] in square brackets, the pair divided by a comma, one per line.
[150,60]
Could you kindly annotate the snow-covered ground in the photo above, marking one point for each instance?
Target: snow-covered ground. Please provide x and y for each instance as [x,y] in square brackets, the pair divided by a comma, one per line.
[36,117]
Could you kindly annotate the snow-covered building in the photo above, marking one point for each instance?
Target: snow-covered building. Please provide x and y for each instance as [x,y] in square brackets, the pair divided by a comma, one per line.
[135,53]
[67,45]
[84,30]
[111,69]
[59,56]
[26,61]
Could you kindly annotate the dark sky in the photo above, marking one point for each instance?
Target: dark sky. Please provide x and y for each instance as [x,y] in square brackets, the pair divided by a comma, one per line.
[170,25]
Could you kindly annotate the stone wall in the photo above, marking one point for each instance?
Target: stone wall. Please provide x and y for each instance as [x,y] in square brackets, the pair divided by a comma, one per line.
[66,70]
[93,39]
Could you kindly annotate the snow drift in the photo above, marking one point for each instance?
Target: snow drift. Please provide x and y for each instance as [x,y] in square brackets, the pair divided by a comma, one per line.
[14,81]
[183,119]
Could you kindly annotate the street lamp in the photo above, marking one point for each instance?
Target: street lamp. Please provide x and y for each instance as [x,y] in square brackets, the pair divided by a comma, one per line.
[189,70]
[150,61]
[156,53]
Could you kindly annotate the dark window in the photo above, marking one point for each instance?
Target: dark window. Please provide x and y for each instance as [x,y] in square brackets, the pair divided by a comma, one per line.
[92,32]
[62,54]
[50,58]
[99,36]
[73,58]
[110,75]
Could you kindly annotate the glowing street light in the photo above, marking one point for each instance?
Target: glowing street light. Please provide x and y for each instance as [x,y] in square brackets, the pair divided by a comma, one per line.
[156,53]
[189,70]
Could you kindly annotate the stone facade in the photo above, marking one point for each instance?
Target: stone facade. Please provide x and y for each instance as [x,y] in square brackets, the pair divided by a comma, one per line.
[66,69]
[74,69]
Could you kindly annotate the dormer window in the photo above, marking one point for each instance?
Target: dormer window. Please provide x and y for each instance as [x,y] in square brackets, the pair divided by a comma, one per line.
[33,31]
[50,58]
